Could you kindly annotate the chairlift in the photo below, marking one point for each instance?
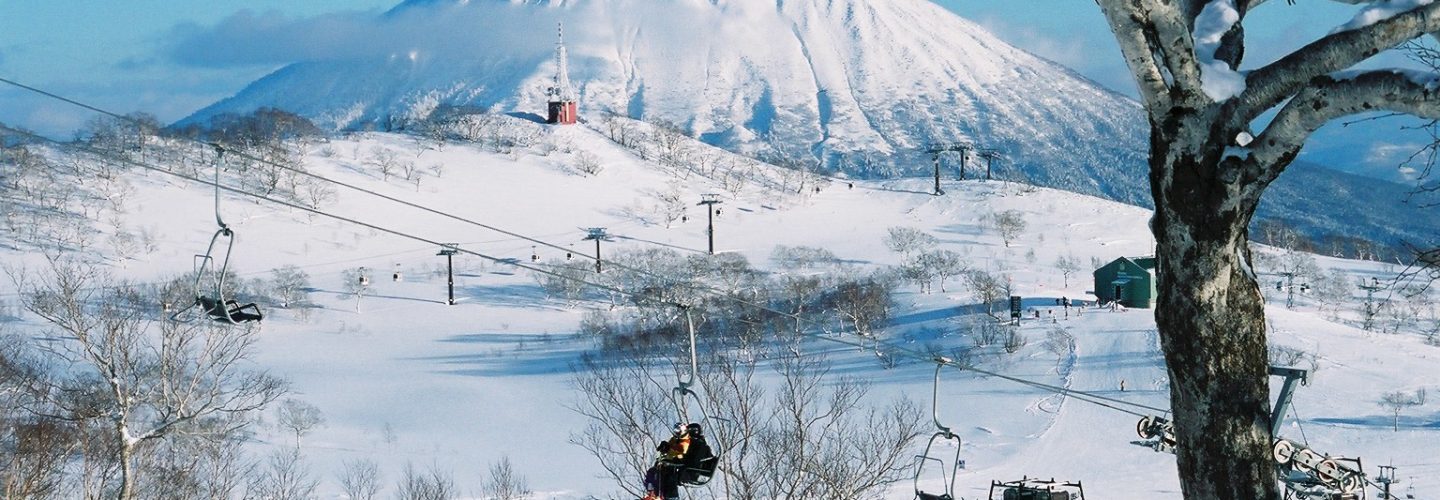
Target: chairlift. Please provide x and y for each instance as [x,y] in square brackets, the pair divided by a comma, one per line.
[1037,489]
[217,305]
[944,434]
[1158,429]
[698,465]
[1307,472]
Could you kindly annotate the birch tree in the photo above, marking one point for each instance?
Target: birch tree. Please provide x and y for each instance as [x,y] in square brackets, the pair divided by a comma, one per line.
[143,385]
[1211,158]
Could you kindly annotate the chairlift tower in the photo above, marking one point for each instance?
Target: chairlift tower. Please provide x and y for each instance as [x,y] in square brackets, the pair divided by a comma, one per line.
[449,250]
[990,155]
[709,201]
[1387,478]
[938,149]
[1370,301]
[598,234]
[1289,286]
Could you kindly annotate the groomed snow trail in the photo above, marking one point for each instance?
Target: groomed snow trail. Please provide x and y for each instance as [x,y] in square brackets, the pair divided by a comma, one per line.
[1087,442]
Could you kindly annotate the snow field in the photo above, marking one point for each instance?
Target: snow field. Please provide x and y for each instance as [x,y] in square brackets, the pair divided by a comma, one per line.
[410,380]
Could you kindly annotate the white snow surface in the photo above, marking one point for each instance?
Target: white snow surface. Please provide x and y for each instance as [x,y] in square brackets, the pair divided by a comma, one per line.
[1378,11]
[1217,80]
[408,379]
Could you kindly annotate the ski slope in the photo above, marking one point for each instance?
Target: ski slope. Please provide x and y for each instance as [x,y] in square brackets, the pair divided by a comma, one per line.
[403,378]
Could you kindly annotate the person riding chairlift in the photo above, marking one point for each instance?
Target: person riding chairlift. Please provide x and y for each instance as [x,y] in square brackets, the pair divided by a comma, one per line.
[697,456]
[662,481]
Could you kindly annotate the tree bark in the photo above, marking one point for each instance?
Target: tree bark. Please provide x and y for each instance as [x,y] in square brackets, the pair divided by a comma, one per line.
[1207,174]
[1211,321]
[127,463]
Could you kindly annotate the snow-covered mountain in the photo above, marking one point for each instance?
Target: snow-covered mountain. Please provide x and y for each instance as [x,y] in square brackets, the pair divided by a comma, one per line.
[795,78]
[863,86]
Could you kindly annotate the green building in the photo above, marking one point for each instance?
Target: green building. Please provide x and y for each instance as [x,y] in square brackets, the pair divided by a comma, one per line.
[1131,280]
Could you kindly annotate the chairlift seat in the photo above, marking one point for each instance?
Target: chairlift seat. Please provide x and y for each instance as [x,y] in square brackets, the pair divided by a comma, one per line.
[699,472]
[931,496]
[231,311]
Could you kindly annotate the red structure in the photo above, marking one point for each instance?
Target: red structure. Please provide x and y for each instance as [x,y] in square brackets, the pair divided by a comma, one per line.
[563,107]
[562,112]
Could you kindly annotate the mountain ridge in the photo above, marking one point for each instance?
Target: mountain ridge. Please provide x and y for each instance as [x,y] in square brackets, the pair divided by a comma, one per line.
[822,81]
[848,86]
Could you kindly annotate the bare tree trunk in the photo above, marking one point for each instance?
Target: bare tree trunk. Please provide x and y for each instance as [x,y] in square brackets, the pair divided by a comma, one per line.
[127,463]
[1212,329]
[1211,158]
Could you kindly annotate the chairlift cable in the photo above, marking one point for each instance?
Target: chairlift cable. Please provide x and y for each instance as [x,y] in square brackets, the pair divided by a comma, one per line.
[344,184]
[1081,395]
[1296,413]
[1096,399]
[303,208]
[353,187]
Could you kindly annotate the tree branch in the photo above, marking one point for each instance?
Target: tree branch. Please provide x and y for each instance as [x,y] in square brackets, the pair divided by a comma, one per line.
[1137,41]
[1327,98]
[1268,86]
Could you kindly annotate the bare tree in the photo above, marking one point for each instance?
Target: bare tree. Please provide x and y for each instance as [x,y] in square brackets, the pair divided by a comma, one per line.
[942,264]
[434,484]
[33,450]
[144,384]
[802,257]
[670,204]
[384,160]
[625,411]
[287,477]
[1068,265]
[588,163]
[986,288]
[357,284]
[300,417]
[864,303]
[827,443]
[1399,401]
[290,284]
[814,437]
[360,479]
[505,483]
[1061,343]
[908,240]
[1211,159]
[566,278]
[314,193]
[1009,224]
[1014,340]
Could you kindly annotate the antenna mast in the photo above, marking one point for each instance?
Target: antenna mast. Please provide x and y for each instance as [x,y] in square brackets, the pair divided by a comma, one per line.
[561,91]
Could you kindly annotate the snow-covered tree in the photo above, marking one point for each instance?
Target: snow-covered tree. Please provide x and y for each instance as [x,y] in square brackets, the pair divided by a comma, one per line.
[1068,265]
[1211,158]
[908,240]
[1009,224]
[139,385]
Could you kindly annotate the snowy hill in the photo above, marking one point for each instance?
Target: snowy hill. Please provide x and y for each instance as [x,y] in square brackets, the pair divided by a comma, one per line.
[864,87]
[795,78]
[405,379]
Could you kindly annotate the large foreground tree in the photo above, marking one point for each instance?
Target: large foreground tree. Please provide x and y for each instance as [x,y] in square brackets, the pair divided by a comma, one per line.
[1211,158]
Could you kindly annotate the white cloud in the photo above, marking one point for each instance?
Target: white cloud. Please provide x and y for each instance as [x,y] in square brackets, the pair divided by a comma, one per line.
[248,38]
[1096,57]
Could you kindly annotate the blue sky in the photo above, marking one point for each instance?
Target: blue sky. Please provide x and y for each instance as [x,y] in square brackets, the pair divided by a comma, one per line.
[171,57]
